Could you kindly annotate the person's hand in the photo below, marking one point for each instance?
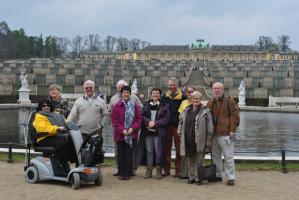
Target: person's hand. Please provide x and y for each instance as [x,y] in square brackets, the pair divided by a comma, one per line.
[61,128]
[151,124]
[232,136]
[130,131]
[125,132]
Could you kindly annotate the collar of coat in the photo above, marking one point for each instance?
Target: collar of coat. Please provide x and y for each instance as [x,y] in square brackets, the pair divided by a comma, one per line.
[203,109]
[178,96]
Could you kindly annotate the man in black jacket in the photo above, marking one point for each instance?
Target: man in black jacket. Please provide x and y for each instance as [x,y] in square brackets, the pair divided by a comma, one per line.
[173,97]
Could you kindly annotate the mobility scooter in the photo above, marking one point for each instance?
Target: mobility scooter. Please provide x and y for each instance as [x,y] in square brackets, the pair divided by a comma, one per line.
[47,167]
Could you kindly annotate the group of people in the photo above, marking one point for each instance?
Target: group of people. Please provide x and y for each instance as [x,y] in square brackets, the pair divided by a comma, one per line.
[144,133]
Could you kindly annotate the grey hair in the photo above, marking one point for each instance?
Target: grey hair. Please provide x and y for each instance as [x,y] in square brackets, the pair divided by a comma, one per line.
[218,83]
[196,94]
[173,79]
[88,82]
[121,82]
[55,86]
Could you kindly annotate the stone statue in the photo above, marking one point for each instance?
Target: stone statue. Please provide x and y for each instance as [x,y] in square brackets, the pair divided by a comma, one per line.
[242,94]
[134,87]
[24,80]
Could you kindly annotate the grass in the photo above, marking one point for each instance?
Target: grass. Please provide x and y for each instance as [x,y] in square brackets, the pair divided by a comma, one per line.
[240,165]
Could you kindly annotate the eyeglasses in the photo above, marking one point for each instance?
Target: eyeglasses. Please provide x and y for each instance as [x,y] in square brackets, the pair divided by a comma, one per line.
[190,91]
[88,88]
[45,105]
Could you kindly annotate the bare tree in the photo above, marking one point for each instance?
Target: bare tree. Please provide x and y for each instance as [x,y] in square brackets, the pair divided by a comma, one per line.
[122,44]
[109,43]
[134,44]
[92,42]
[144,44]
[265,43]
[63,44]
[284,42]
[77,46]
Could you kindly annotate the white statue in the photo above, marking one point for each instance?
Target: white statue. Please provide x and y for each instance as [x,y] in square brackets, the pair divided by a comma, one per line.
[24,80]
[242,94]
[134,87]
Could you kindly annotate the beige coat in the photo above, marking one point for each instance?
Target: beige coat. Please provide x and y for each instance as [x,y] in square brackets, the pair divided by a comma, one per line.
[203,127]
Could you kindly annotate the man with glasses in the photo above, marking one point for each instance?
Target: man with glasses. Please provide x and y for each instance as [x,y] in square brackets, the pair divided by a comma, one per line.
[89,112]
[225,117]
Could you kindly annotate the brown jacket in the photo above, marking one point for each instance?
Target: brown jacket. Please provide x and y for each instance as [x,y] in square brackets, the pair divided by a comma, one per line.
[227,120]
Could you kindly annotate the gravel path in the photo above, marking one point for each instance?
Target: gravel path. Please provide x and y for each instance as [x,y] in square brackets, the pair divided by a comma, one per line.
[266,185]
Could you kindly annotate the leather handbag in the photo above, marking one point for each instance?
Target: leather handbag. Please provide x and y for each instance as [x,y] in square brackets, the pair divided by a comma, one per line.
[207,172]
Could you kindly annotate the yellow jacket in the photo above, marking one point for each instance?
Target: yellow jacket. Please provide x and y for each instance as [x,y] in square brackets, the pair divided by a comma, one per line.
[42,125]
[183,105]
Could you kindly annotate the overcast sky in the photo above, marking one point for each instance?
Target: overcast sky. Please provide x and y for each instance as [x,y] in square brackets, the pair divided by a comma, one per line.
[157,21]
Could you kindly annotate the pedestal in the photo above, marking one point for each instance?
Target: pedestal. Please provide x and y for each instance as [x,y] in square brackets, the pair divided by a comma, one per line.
[241,100]
[24,96]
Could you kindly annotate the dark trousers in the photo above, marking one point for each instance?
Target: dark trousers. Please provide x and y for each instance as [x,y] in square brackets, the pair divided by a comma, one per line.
[124,158]
[172,133]
[61,145]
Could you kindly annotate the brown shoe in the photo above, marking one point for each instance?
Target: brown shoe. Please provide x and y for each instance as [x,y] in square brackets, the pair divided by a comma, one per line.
[149,172]
[158,172]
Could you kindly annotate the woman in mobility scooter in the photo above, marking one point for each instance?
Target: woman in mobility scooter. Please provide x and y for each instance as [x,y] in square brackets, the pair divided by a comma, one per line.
[49,127]
[46,132]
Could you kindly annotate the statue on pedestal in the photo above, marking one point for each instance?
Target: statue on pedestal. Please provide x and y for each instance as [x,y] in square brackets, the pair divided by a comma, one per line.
[242,94]
[23,79]
[134,87]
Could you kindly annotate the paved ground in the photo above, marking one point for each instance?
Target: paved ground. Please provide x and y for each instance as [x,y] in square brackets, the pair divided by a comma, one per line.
[266,185]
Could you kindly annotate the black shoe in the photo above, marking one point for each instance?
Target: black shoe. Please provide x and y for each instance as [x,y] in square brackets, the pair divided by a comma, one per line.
[217,179]
[115,174]
[176,175]
[184,177]
[198,182]
[191,181]
[166,174]
[230,182]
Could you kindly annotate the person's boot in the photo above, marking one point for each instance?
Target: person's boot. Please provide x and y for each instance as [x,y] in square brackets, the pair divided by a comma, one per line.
[149,172]
[158,172]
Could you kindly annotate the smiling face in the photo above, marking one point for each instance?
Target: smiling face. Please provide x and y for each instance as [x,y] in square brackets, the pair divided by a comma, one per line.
[173,86]
[218,90]
[155,95]
[189,92]
[54,93]
[125,95]
[89,89]
[196,101]
[45,107]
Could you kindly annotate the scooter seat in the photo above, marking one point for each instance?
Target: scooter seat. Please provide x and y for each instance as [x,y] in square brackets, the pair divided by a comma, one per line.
[45,150]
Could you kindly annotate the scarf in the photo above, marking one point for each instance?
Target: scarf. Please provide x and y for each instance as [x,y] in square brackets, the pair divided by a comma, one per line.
[55,118]
[129,117]
[190,143]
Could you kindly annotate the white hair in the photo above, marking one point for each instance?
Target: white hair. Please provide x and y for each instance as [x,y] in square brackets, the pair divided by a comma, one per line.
[121,82]
[173,79]
[219,84]
[196,94]
[88,82]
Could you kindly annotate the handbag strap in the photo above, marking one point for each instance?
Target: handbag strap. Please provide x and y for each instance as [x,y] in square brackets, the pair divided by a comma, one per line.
[210,152]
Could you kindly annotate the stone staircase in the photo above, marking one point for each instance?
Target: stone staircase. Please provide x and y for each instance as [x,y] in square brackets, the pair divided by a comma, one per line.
[197,80]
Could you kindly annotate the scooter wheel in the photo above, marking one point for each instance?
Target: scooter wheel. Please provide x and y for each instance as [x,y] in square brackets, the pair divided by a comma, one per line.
[31,174]
[99,180]
[75,181]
